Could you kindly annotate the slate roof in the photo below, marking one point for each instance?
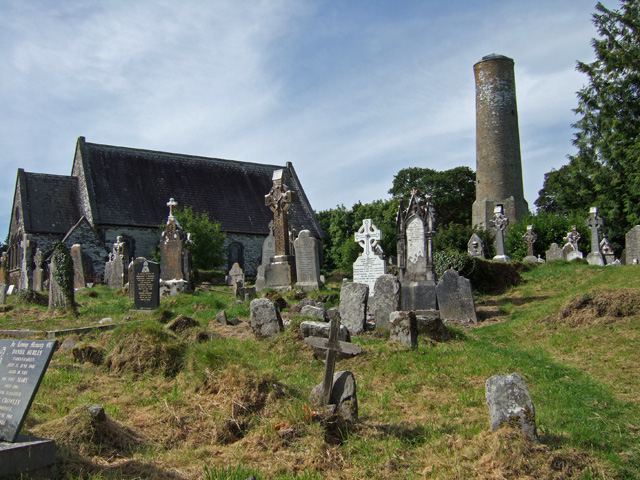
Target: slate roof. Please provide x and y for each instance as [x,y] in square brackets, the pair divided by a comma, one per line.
[50,203]
[131,187]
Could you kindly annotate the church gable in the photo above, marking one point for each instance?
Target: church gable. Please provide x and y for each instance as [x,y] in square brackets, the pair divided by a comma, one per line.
[84,234]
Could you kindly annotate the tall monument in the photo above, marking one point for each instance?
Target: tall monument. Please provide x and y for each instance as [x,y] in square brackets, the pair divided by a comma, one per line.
[498,162]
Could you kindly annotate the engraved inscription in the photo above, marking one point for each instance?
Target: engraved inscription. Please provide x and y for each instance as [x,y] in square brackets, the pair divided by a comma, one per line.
[415,240]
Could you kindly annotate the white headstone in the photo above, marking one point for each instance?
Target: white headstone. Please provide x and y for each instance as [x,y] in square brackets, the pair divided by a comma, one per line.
[369,265]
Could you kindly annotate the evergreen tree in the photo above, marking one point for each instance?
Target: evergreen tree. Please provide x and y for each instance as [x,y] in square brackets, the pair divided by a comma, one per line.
[605,172]
[206,238]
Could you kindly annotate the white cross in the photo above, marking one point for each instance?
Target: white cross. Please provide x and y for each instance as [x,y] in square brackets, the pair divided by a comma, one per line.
[171,203]
[368,236]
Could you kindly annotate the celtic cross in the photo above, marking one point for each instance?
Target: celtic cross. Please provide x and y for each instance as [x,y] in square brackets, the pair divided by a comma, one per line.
[499,223]
[368,236]
[279,199]
[594,222]
[530,238]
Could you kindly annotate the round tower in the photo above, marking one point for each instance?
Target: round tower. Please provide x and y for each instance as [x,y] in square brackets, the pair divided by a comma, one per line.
[498,162]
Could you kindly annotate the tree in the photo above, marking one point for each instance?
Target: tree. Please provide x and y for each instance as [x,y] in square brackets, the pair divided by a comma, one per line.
[207,239]
[340,225]
[605,171]
[453,191]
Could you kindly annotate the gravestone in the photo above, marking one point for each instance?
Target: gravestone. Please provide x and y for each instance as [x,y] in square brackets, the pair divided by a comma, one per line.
[386,300]
[416,272]
[632,246]
[236,275]
[353,306]
[307,262]
[607,251]
[332,390]
[508,399]
[530,238]
[265,318]
[403,328]
[369,265]
[22,366]
[499,223]
[175,259]
[475,246]
[269,245]
[571,250]
[595,222]
[146,285]
[79,278]
[116,274]
[321,329]
[57,297]
[554,253]
[280,272]
[455,298]
[261,282]
[3,294]
[38,272]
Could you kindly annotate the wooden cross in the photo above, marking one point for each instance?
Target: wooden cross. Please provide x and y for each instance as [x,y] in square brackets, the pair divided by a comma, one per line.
[333,346]
[594,222]
[368,236]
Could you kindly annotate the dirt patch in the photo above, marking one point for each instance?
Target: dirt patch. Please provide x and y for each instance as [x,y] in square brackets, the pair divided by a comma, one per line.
[597,307]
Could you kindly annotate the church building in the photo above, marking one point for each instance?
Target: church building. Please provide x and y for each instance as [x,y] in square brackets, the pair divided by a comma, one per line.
[118,191]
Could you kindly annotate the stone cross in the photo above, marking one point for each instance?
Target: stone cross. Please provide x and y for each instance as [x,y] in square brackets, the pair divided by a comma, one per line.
[573,237]
[594,222]
[279,199]
[171,203]
[271,228]
[499,223]
[368,236]
[333,347]
[530,238]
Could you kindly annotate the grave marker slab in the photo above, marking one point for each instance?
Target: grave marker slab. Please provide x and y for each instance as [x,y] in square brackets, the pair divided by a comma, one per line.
[269,245]
[307,262]
[38,273]
[455,298]
[22,366]
[554,253]
[236,275]
[416,272]
[175,258]
[632,246]
[79,277]
[369,265]
[146,285]
[475,247]
[571,251]
[353,306]
[386,300]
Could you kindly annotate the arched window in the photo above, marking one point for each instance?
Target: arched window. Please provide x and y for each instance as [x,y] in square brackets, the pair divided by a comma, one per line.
[236,254]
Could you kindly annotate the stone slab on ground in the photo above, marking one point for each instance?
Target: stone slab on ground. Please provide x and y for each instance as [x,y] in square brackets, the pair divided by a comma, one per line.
[403,328]
[385,300]
[28,457]
[321,329]
[430,325]
[343,395]
[455,298]
[265,318]
[353,306]
[509,401]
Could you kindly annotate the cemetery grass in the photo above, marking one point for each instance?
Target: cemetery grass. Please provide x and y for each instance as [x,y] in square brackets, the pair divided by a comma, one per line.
[213,402]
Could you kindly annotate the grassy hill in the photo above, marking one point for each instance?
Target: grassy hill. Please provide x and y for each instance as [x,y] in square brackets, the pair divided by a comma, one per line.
[213,402]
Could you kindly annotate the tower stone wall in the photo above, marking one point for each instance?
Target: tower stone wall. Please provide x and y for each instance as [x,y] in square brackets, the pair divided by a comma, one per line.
[498,161]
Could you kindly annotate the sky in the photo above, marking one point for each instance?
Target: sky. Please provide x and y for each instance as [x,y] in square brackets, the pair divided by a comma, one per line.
[349,91]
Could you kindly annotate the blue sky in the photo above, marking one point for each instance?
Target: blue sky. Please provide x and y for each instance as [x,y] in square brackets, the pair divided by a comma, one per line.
[350,92]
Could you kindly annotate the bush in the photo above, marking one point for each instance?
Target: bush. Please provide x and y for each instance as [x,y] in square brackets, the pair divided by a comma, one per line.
[456,237]
[463,263]
[550,228]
